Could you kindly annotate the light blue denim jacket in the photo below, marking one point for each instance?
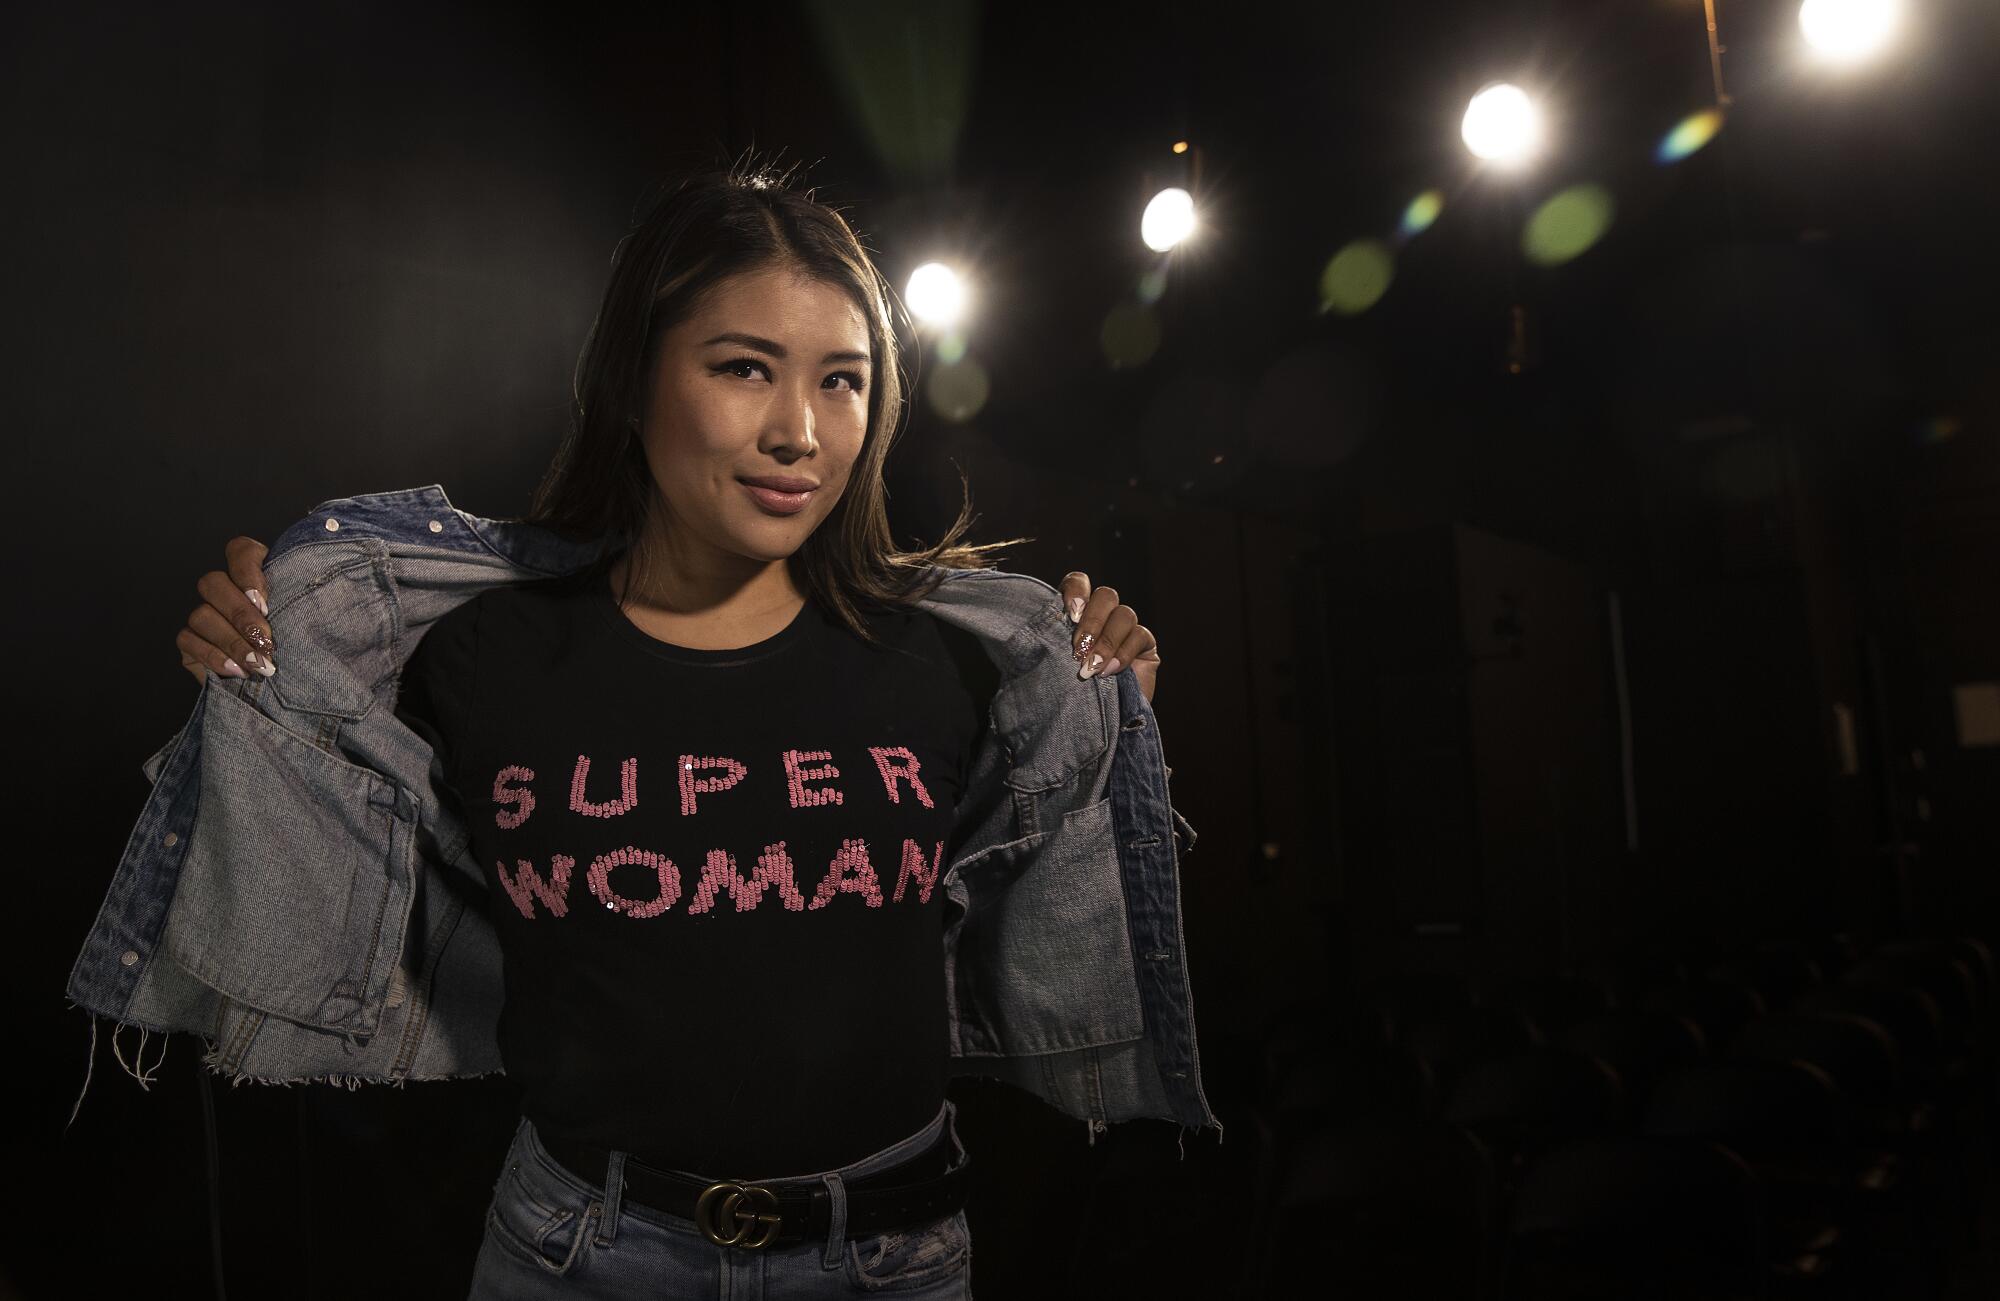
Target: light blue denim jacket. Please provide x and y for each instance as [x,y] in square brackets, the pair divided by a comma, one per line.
[296,893]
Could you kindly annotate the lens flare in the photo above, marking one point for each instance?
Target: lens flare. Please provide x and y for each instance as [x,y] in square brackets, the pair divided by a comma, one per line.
[1356,277]
[1938,429]
[958,390]
[951,346]
[1152,285]
[1567,224]
[1423,210]
[1688,136]
[1129,336]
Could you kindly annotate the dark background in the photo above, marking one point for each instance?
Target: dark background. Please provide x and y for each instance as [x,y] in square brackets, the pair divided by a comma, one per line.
[1739,455]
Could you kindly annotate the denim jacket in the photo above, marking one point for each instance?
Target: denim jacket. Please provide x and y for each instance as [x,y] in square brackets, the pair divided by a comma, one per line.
[296,893]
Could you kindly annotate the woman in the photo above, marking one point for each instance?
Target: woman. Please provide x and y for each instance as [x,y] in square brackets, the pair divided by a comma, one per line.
[639,731]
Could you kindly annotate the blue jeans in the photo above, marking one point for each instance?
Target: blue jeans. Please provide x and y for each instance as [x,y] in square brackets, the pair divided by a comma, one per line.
[551,1234]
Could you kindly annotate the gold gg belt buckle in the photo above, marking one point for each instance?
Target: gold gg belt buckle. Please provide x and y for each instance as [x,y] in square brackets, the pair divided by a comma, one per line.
[726,1212]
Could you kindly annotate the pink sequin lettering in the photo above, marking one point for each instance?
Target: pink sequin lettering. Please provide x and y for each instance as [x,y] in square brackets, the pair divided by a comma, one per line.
[662,866]
[774,868]
[851,873]
[797,777]
[628,795]
[527,885]
[894,761]
[913,866]
[516,802]
[692,785]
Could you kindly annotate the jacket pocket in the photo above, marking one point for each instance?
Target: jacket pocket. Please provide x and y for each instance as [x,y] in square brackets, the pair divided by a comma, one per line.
[296,887]
[1044,963]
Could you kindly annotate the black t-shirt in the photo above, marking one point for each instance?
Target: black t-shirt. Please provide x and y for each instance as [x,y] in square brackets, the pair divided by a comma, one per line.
[716,875]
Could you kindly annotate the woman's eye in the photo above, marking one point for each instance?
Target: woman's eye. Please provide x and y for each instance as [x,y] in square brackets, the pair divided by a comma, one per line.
[854,381]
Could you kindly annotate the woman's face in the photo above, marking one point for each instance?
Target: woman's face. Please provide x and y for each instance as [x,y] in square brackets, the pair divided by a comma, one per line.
[767,379]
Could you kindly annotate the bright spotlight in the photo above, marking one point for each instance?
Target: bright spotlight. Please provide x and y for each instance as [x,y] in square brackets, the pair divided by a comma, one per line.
[1169,219]
[1502,125]
[935,294]
[1848,31]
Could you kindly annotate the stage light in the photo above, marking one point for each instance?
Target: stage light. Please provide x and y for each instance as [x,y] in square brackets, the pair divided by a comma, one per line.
[1502,125]
[1169,219]
[1849,31]
[935,294]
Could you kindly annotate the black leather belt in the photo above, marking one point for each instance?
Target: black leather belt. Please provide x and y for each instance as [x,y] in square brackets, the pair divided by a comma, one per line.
[781,1212]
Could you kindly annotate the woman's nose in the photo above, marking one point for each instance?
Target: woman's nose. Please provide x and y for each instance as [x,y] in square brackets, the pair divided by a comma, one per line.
[796,427]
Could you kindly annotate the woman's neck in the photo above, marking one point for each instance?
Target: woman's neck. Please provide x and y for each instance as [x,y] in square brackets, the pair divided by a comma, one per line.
[721,613]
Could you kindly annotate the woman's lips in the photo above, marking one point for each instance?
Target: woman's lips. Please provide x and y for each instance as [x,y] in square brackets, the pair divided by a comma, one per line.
[779,503]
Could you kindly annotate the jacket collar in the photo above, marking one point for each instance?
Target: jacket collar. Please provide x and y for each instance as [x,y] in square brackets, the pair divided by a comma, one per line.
[1013,616]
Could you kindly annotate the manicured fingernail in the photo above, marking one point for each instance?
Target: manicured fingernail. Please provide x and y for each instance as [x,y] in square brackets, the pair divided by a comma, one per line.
[231,669]
[258,598]
[1090,668]
[1083,646]
[261,663]
[257,637]
[1075,608]
[1110,666]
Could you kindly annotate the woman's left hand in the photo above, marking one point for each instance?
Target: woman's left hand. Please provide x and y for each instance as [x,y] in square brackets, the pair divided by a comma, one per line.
[1108,633]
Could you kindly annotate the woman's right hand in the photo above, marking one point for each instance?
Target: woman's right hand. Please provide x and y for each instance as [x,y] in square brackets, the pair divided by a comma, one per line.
[232,629]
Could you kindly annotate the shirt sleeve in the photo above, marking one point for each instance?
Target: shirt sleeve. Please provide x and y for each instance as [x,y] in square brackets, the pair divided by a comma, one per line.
[434,696]
[981,678]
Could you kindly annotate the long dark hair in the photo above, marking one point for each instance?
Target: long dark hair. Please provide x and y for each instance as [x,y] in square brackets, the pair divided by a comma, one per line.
[701,228]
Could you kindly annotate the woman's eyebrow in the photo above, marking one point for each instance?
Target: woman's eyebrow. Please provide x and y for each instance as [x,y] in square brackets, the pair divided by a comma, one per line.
[777,349]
